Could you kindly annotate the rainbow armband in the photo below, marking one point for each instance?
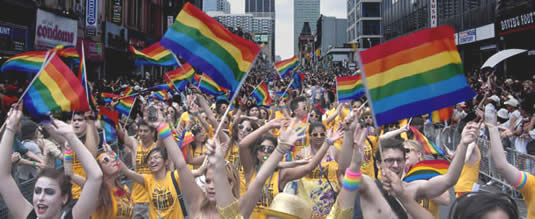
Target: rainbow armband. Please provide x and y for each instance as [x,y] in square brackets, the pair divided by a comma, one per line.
[522,178]
[164,131]
[351,180]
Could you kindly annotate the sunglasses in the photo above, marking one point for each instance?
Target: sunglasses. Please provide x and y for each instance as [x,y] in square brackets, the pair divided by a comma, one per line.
[248,129]
[408,150]
[318,134]
[266,148]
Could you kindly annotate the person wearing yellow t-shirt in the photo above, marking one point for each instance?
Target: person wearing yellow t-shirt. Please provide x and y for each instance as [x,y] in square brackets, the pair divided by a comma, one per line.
[524,182]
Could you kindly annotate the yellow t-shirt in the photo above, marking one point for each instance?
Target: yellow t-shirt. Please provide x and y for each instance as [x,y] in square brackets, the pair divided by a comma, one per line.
[271,189]
[233,155]
[432,207]
[78,170]
[163,197]
[138,192]
[199,150]
[528,193]
[368,163]
[122,208]
[469,176]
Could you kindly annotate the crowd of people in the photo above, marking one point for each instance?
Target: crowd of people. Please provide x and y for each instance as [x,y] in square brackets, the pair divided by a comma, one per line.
[304,156]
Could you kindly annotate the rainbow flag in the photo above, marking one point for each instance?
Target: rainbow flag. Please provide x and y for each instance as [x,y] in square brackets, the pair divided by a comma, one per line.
[180,77]
[441,115]
[429,147]
[196,80]
[108,97]
[298,79]
[125,105]
[285,67]
[109,121]
[261,94]
[155,54]
[349,88]
[28,62]
[68,52]
[413,75]
[209,86]
[210,47]
[55,88]
[427,169]
[161,95]
[127,91]
[83,75]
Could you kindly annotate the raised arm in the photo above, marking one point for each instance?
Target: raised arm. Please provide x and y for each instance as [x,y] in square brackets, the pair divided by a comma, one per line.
[129,141]
[286,139]
[87,203]
[92,138]
[394,133]
[351,127]
[204,106]
[346,198]
[133,175]
[438,185]
[18,206]
[216,158]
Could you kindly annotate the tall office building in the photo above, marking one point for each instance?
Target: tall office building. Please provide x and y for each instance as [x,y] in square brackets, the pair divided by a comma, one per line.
[364,22]
[304,11]
[216,5]
[260,8]
[263,12]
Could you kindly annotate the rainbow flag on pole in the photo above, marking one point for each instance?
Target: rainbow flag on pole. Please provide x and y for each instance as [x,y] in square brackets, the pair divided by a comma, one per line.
[55,88]
[210,47]
[83,75]
[28,62]
[429,146]
[154,55]
[261,94]
[427,169]
[349,88]
[180,77]
[414,75]
[108,97]
[298,79]
[125,105]
[161,95]
[209,86]
[109,121]
[285,67]
[68,52]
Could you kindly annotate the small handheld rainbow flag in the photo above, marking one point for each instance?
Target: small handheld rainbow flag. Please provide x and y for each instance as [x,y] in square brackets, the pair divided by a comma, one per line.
[109,121]
[285,67]
[68,52]
[441,115]
[209,86]
[180,77]
[414,75]
[155,54]
[108,97]
[261,94]
[427,169]
[429,147]
[27,62]
[127,91]
[55,88]
[125,105]
[349,88]
[161,95]
[298,79]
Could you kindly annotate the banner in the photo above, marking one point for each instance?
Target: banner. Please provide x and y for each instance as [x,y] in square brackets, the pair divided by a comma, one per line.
[52,30]
[91,17]
[433,13]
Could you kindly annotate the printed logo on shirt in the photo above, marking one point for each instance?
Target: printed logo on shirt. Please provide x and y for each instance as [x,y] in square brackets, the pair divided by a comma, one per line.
[162,199]
[141,166]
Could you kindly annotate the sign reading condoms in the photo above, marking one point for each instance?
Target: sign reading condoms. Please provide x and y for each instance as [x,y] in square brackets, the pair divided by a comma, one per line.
[52,30]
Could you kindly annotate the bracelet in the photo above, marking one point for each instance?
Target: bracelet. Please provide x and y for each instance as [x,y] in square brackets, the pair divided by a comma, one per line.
[164,131]
[329,141]
[280,150]
[351,180]
[67,155]
[33,163]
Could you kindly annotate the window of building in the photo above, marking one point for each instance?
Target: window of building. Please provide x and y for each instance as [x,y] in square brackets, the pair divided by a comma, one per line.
[371,27]
[134,11]
[371,9]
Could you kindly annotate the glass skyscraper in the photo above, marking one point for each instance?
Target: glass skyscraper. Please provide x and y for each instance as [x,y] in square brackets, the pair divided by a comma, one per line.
[304,11]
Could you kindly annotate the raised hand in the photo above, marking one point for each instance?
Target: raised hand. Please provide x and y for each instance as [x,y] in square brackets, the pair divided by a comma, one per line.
[59,127]
[335,135]
[290,135]
[469,133]
[391,182]
[276,123]
[490,117]
[13,117]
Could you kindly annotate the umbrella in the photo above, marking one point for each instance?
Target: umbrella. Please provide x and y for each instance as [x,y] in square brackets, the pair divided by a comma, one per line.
[500,56]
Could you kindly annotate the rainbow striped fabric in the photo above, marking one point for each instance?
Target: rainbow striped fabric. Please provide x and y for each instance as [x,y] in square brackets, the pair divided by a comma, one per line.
[109,121]
[180,77]
[27,62]
[285,67]
[55,88]
[108,97]
[196,80]
[441,115]
[155,54]
[349,88]
[414,75]
[68,52]
[429,147]
[125,105]
[127,91]
[298,79]
[261,95]
[212,49]
[161,95]
[209,86]
[427,169]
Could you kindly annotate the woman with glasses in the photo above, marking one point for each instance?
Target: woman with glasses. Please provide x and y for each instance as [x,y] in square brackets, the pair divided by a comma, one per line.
[256,148]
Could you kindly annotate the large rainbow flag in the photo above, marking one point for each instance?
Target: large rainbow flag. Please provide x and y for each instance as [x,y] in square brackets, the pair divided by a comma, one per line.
[349,88]
[261,95]
[56,88]
[209,86]
[28,62]
[429,146]
[413,75]
[427,169]
[210,47]
[155,54]
[285,67]
[180,77]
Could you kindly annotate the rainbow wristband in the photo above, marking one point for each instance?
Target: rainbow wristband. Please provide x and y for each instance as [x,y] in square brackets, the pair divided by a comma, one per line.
[351,180]
[164,131]
[522,178]
[68,155]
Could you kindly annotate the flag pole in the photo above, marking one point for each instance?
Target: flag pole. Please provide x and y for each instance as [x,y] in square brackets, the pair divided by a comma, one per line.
[128,117]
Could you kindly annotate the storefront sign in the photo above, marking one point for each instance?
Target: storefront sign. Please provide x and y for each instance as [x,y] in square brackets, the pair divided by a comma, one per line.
[91,17]
[117,14]
[136,39]
[517,23]
[52,30]
[13,37]
[94,51]
[116,37]
[433,13]
[468,36]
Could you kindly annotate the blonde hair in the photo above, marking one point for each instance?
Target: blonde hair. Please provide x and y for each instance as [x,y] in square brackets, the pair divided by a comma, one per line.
[415,144]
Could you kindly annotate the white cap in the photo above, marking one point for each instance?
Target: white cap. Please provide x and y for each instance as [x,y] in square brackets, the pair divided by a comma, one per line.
[503,113]
[512,102]
[137,88]
[494,98]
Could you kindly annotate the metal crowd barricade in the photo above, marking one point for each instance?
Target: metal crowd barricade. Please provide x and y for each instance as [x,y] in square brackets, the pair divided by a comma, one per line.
[26,188]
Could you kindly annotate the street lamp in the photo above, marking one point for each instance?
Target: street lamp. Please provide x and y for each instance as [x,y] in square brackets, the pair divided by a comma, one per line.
[369,43]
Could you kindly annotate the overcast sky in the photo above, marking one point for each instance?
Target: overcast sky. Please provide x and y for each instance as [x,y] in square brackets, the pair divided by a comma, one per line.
[284,20]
